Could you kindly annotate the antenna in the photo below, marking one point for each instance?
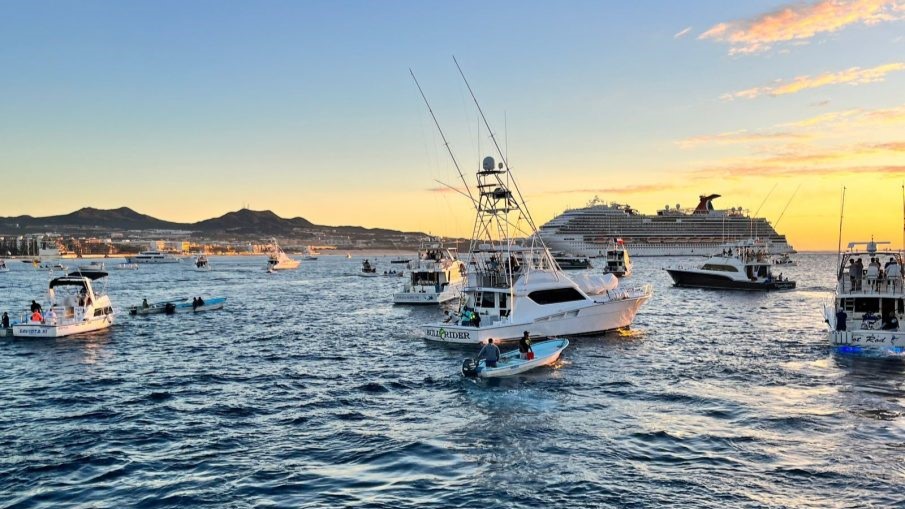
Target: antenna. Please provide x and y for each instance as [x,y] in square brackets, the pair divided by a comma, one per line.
[756,212]
[903,216]
[443,136]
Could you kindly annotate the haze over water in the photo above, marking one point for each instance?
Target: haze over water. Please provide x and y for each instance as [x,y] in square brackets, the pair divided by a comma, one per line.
[310,389]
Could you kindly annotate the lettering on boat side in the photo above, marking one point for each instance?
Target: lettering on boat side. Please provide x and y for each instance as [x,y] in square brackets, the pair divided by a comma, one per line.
[445,334]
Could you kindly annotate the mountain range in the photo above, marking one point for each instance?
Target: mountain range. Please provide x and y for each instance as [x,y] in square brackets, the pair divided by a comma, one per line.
[243,222]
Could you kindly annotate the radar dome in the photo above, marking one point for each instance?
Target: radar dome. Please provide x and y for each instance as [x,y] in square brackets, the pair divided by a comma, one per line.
[489,164]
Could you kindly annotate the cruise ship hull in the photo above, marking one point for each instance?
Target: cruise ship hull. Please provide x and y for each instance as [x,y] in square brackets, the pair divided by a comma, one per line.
[645,249]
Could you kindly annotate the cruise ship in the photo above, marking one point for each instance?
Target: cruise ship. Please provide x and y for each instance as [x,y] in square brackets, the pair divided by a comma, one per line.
[675,231]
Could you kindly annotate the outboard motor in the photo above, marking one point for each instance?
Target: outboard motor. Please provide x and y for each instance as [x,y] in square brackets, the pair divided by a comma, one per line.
[470,368]
[169,308]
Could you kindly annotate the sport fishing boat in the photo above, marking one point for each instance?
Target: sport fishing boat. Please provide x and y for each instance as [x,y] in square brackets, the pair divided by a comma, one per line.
[511,363]
[126,266]
[739,266]
[367,270]
[785,260]
[95,265]
[618,262]
[309,253]
[436,276]
[278,260]
[867,307]
[75,307]
[201,263]
[513,288]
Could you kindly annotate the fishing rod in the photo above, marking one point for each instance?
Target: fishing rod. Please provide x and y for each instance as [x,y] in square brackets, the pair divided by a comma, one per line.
[839,247]
[787,206]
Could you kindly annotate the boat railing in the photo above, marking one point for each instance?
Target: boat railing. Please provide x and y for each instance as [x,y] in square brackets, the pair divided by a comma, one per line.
[871,286]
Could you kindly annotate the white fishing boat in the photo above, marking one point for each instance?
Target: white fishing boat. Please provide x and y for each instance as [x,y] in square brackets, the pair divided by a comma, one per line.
[571,262]
[436,276]
[95,265]
[52,267]
[309,253]
[512,288]
[202,264]
[126,266]
[75,307]
[367,269]
[618,262]
[867,307]
[546,353]
[278,260]
[738,266]
[348,256]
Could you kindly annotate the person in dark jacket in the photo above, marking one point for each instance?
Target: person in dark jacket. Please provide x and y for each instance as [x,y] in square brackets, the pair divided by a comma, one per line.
[4,322]
[524,345]
[491,354]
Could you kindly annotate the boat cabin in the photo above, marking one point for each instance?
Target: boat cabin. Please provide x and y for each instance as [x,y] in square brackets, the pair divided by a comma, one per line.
[869,289]
[74,297]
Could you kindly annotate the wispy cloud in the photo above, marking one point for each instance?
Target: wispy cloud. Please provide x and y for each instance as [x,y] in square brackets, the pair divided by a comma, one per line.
[853,117]
[632,189]
[851,76]
[682,33]
[800,22]
[740,137]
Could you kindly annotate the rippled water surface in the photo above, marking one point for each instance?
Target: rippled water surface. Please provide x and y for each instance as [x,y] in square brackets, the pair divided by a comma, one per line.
[311,389]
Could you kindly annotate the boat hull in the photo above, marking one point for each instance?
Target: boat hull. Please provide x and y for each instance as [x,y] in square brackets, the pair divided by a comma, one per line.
[427,298]
[693,279]
[510,364]
[868,339]
[37,330]
[598,318]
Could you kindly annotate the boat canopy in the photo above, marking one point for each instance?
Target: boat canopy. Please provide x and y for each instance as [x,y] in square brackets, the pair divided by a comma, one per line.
[90,274]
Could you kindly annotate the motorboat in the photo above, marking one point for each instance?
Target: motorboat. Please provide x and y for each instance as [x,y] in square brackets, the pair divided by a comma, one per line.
[126,266]
[400,259]
[278,260]
[739,266]
[510,363]
[52,266]
[785,260]
[513,288]
[393,273]
[570,262]
[309,253]
[95,265]
[75,307]
[348,256]
[435,277]
[3,267]
[367,269]
[182,305]
[618,262]
[201,263]
[867,306]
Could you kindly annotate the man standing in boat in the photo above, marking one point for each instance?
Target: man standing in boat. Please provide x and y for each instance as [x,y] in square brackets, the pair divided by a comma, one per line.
[491,354]
[524,347]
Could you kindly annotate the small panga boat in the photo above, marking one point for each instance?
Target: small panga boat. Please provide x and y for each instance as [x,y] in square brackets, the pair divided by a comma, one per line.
[511,363]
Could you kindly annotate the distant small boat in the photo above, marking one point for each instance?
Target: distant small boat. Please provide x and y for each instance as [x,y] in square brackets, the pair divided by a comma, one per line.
[309,253]
[92,266]
[278,260]
[201,263]
[3,267]
[367,270]
[348,256]
[511,363]
[126,266]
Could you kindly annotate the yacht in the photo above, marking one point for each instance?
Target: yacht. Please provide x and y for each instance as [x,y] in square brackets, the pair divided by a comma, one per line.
[153,256]
[785,260]
[76,306]
[738,266]
[618,262]
[435,277]
[515,288]
[676,231]
[570,262]
[278,260]
[867,307]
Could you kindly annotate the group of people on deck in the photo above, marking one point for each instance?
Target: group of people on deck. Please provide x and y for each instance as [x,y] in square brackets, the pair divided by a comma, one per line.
[491,352]
[876,275]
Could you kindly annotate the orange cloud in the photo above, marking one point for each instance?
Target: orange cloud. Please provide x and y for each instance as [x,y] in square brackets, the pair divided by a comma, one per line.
[799,23]
[739,137]
[854,117]
[851,76]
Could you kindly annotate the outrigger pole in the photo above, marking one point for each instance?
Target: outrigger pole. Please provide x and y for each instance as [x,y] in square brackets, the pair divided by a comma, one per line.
[787,206]
[839,247]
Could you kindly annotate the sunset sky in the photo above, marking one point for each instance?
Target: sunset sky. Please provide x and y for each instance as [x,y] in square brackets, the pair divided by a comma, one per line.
[188,109]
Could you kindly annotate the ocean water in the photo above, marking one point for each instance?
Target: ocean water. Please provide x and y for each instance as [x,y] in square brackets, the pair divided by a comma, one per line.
[312,390]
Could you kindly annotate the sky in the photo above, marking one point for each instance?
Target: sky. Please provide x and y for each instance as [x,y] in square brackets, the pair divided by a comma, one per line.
[185,110]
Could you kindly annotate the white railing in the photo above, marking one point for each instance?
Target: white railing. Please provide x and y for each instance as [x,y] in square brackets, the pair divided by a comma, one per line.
[872,286]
